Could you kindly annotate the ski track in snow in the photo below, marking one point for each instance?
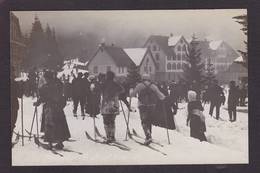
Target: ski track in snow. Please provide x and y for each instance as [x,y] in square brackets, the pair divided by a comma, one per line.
[228,142]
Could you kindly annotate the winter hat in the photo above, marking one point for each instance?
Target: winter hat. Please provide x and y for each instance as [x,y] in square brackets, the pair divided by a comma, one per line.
[80,74]
[91,77]
[192,95]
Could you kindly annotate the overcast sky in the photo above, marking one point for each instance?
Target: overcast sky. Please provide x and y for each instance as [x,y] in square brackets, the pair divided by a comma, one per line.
[211,24]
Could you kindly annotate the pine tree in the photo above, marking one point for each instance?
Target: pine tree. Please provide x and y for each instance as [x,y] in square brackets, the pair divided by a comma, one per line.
[194,68]
[242,19]
[209,72]
[133,75]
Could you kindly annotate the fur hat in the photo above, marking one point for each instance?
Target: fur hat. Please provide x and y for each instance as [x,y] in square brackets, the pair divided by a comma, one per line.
[146,77]
[192,96]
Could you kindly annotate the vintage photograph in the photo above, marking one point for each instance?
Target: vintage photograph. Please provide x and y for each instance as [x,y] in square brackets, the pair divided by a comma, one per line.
[129,87]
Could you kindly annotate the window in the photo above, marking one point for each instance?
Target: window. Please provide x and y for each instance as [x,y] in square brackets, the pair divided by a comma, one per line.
[169,66]
[147,60]
[169,58]
[179,48]
[173,57]
[178,66]
[174,66]
[95,69]
[181,40]
[184,48]
[150,69]
[154,48]
[123,69]
[157,56]
[119,70]
[184,57]
[178,56]
[145,69]
[108,68]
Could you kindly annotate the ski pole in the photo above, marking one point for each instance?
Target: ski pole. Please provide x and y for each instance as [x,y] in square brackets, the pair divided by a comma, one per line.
[127,126]
[22,119]
[37,123]
[128,115]
[32,123]
[165,116]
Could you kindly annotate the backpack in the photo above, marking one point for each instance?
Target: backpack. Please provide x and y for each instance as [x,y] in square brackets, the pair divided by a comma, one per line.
[147,96]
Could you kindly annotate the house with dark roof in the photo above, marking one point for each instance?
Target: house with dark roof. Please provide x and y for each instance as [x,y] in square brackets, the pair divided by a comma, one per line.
[169,54]
[220,53]
[143,58]
[109,58]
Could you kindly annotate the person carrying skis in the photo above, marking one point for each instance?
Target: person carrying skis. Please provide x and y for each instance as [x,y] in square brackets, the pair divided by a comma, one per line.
[148,95]
[110,91]
[55,125]
[233,97]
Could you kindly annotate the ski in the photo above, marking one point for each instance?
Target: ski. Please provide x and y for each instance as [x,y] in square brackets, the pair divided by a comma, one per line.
[69,150]
[103,142]
[16,140]
[138,136]
[21,135]
[45,146]
[104,138]
[149,146]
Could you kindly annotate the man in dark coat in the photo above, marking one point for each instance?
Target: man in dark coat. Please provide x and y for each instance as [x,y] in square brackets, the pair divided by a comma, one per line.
[78,95]
[216,95]
[148,95]
[232,101]
[86,90]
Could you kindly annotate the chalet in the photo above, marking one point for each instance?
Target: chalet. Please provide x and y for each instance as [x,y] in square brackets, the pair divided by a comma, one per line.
[143,58]
[109,58]
[220,53]
[170,55]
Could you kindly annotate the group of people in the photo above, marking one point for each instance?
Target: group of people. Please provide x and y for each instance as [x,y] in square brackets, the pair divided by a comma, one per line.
[101,95]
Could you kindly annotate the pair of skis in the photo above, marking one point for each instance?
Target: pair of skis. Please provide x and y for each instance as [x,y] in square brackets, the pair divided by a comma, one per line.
[103,141]
[134,134]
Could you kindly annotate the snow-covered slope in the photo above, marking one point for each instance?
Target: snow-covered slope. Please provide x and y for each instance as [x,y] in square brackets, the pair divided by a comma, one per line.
[227,142]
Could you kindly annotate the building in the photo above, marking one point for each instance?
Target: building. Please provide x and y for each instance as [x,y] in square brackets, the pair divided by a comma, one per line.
[17,44]
[109,58]
[220,53]
[170,55]
[143,58]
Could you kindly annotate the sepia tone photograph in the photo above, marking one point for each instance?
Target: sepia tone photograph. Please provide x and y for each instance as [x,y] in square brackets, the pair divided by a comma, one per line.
[129,87]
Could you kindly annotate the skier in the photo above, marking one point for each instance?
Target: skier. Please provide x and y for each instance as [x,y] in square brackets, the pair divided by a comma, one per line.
[16,92]
[86,92]
[93,97]
[148,94]
[216,95]
[55,125]
[77,95]
[110,104]
[196,117]
[232,101]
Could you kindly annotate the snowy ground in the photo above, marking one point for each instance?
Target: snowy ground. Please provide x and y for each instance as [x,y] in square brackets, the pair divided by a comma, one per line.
[228,142]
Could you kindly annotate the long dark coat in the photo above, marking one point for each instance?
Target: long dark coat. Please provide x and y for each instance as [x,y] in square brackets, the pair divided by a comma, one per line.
[54,124]
[197,126]
[93,100]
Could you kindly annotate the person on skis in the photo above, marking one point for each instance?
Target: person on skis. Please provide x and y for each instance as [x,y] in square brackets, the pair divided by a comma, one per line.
[110,91]
[148,95]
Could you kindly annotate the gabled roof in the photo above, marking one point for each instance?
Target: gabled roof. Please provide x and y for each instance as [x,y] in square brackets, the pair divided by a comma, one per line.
[149,51]
[136,54]
[119,56]
[173,40]
[162,41]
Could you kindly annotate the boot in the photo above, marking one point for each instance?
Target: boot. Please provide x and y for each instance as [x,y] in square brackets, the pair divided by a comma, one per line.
[59,146]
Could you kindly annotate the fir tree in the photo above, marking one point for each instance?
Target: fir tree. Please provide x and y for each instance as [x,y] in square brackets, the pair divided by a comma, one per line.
[133,75]
[242,19]
[194,68]
[209,72]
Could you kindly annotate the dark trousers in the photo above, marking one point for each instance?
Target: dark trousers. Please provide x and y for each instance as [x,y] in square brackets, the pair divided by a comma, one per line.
[146,119]
[76,101]
[212,106]
[232,113]
[109,125]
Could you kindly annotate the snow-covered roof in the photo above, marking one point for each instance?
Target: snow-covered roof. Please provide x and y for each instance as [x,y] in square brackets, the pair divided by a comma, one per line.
[173,40]
[215,44]
[136,54]
[239,59]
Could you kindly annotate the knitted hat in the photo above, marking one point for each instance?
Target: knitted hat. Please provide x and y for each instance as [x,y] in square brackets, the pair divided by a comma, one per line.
[192,96]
